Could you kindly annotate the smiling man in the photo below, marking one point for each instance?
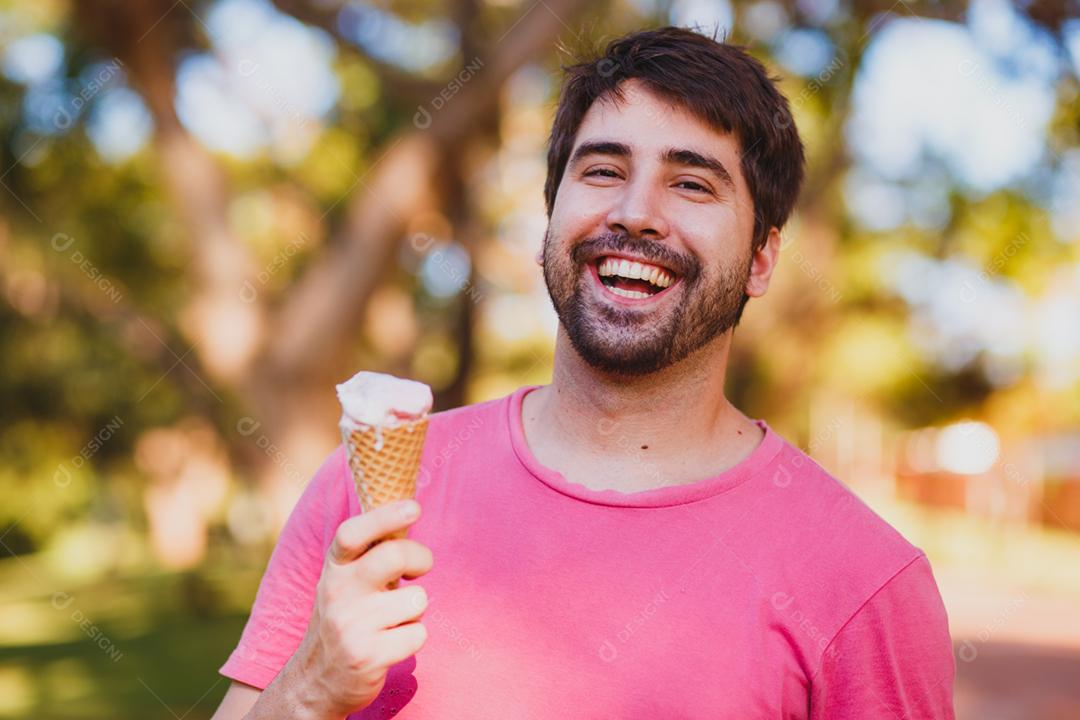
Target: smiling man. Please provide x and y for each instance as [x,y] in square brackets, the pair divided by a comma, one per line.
[654,246]
[624,542]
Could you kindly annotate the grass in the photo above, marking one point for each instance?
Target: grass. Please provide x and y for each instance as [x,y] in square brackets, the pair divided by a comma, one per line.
[139,646]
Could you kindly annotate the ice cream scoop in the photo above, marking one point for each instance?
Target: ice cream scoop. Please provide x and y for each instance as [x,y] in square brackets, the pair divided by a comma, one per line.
[374,399]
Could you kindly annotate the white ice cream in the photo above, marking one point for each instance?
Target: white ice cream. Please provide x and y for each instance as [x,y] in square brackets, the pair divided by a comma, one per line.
[370,399]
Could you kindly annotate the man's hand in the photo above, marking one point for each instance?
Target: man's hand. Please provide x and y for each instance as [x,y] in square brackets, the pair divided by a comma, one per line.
[358,628]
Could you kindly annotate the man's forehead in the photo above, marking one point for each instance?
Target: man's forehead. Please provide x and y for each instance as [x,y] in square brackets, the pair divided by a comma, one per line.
[643,125]
[645,121]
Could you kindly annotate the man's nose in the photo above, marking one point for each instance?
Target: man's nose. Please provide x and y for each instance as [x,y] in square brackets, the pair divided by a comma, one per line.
[638,210]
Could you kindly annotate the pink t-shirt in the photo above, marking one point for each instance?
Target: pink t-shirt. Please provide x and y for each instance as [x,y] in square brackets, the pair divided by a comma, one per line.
[768,591]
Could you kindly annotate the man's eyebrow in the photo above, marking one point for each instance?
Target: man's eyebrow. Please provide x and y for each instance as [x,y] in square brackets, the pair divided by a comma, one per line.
[674,156]
[681,156]
[600,147]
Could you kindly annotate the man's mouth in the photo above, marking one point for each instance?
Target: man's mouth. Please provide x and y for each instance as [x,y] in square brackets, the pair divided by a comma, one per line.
[632,279]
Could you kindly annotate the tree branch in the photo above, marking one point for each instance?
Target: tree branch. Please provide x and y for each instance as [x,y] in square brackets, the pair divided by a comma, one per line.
[324,16]
[321,313]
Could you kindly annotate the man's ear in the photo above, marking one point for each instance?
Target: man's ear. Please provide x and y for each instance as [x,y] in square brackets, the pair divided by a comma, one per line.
[763,263]
[540,258]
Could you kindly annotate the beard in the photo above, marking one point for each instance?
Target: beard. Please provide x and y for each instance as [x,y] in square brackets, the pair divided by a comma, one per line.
[626,340]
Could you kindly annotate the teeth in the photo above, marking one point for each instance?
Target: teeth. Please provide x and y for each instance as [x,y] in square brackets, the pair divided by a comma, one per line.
[635,271]
[629,293]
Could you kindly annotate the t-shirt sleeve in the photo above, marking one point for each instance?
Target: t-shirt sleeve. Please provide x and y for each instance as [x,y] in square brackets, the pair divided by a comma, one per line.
[286,594]
[893,658]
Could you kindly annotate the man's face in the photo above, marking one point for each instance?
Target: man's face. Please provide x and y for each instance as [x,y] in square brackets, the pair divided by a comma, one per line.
[647,251]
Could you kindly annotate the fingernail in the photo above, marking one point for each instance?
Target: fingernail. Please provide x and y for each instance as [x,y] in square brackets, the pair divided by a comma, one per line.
[409,510]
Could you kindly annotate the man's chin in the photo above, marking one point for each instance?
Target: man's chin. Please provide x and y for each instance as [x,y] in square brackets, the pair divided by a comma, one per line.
[627,367]
[615,358]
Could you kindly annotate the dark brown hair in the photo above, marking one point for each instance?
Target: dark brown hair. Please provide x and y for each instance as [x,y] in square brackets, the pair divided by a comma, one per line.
[721,84]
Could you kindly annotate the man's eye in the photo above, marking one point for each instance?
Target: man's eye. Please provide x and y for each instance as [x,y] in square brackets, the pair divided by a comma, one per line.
[602,172]
[694,186]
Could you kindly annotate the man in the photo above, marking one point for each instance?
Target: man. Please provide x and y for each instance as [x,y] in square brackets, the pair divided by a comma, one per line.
[622,543]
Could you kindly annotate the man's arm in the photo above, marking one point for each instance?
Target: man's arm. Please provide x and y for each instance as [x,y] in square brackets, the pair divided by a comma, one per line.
[893,658]
[279,700]
[244,702]
[238,700]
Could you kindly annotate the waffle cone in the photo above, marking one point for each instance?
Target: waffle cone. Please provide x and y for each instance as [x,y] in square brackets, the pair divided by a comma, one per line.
[385,463]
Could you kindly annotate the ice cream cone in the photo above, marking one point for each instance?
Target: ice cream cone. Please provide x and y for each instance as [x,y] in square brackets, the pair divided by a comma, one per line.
[383,425]
[385,461]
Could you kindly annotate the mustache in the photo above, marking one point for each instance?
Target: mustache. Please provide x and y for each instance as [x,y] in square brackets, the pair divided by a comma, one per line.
[683,264]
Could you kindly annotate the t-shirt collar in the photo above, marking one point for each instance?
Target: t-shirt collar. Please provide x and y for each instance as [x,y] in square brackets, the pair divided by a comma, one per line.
[759,459]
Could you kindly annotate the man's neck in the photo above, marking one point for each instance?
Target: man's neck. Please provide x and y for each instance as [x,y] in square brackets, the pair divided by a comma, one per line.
[635,433]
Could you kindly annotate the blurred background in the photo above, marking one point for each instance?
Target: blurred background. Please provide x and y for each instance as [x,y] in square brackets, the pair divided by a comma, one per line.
[213,210]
